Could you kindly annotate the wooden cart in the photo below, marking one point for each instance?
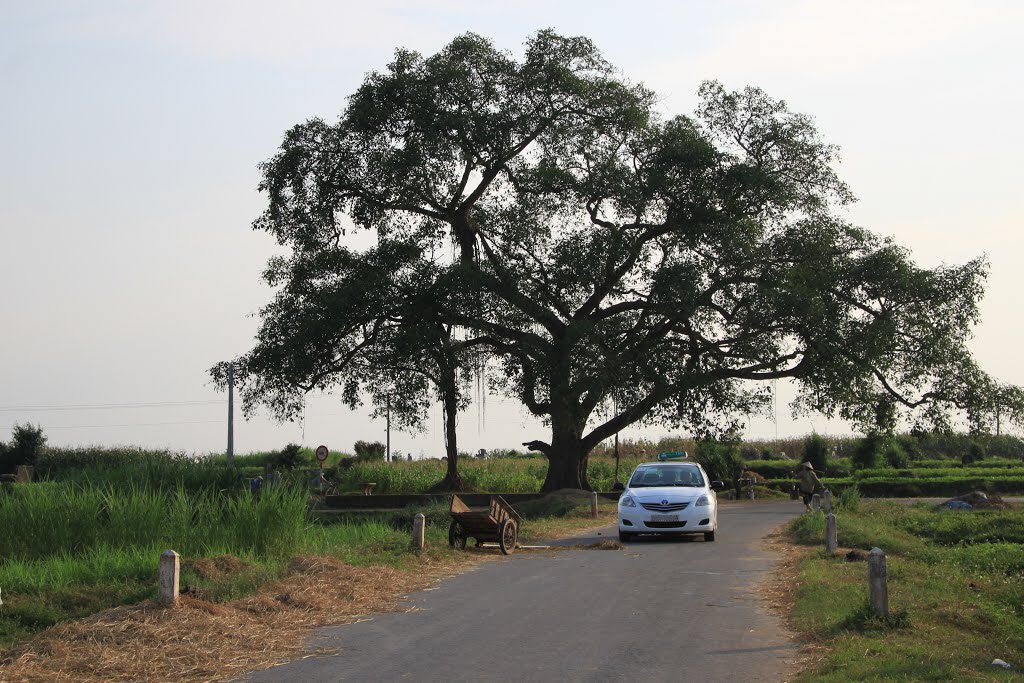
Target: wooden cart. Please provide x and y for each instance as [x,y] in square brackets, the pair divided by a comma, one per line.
[499,524]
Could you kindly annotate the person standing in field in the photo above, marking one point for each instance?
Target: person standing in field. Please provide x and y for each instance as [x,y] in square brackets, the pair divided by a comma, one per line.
[808,483]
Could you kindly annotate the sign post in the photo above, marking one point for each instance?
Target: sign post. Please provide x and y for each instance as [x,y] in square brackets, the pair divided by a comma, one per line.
[321,456]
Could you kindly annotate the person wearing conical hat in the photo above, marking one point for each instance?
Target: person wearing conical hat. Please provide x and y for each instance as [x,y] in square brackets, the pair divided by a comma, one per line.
[808,483]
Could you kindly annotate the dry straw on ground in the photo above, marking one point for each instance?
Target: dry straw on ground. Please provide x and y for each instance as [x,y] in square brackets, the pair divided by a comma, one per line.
[779,591]
[205,641]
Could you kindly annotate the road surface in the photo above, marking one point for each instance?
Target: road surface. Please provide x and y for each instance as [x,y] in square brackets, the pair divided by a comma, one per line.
[675,610]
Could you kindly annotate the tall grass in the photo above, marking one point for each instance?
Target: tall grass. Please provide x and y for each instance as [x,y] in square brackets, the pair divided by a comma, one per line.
[506,475]
[120,468]
[59,519]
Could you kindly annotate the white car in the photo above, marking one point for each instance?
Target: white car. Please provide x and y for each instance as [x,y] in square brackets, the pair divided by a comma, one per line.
[669,498]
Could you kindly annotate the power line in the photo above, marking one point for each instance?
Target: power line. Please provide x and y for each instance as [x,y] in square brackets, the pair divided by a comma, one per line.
[132,424]
[110,406]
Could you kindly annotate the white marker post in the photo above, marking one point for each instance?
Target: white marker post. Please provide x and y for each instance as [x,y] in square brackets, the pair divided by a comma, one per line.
[419,525]
[593,504]
[878,582]
[831,534]
[170,570]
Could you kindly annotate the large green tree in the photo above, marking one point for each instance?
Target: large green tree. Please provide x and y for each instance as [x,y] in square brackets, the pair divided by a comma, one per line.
[600,250]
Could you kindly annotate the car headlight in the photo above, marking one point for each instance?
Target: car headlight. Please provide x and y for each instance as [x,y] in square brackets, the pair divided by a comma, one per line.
[627,502]
[702,501]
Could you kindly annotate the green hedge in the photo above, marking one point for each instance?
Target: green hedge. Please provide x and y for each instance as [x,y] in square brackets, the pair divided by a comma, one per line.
[910,488]
[781,469]
[971,472]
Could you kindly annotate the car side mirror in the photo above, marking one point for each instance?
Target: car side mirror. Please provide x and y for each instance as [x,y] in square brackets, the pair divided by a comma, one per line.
[718,485]
[618,486]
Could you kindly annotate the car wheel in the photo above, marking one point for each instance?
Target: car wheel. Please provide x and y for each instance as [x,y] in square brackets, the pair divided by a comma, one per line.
[625,536]
[709,536]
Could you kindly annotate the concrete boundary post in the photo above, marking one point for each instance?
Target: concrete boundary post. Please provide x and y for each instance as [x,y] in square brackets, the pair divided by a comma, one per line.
[831,533]
[826,500]
[170,572]
[593,504]
[878,582]
[419,525]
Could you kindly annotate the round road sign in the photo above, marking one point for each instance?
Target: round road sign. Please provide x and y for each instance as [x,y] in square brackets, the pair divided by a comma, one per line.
[322,453]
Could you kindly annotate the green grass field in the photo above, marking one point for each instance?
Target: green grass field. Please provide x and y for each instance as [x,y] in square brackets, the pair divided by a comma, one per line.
[956,590]
[71,549]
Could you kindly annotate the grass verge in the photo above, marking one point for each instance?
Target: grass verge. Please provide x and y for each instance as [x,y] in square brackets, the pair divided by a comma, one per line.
[956,599]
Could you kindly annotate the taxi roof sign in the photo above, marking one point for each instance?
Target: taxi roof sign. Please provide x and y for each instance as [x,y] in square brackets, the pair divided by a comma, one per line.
[673,455]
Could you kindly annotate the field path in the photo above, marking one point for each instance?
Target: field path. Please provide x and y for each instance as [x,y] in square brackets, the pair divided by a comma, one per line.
[655,611]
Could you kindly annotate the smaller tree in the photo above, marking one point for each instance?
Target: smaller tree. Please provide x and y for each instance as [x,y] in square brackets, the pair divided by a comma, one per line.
[369,450]
[6,463]
[27,442]
[816,451]
[865,455]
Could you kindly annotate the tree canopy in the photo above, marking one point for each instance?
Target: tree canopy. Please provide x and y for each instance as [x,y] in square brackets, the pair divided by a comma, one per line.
[542,212]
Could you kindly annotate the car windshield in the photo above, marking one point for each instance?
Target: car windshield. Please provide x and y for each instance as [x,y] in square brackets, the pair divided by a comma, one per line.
[666,475]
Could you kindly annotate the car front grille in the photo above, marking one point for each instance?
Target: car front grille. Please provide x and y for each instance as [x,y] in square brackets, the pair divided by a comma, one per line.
[658,507]
[664,525]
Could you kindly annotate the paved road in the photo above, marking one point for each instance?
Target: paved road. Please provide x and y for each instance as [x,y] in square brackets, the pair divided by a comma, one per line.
[674,610]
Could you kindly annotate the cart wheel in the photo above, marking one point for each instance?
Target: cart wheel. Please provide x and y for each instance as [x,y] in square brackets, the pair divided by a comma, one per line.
[508,534]
[456,535]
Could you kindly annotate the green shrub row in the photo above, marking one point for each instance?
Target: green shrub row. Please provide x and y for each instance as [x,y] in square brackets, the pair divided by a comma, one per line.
[967,472]
[902,487]
[781,469]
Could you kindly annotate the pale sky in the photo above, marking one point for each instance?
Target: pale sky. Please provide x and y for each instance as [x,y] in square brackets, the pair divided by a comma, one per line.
[130,134]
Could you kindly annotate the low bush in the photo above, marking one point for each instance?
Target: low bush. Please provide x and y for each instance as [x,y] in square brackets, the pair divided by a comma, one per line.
[895,455]
[848,499]
[975,453]
[290,457]
[721,461]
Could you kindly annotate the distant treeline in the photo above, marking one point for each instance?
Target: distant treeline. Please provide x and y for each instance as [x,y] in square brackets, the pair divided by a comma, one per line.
[923,446]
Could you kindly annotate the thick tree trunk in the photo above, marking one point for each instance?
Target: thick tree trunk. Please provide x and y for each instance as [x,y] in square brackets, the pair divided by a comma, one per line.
[567,460]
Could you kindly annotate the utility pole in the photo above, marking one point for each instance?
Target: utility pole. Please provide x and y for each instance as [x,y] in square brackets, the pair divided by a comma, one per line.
[387,417]
[615,413]
[231,415]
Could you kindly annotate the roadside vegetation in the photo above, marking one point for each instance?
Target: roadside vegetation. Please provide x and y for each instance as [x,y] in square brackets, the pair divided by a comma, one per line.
[88,536]
[956,593]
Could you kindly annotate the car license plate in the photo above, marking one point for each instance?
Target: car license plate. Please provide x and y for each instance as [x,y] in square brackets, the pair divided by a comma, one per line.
[664,518]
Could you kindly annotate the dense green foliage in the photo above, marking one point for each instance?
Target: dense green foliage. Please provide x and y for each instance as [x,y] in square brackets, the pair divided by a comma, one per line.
[610,266]
[816,452]
[27,443]
[369,450]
